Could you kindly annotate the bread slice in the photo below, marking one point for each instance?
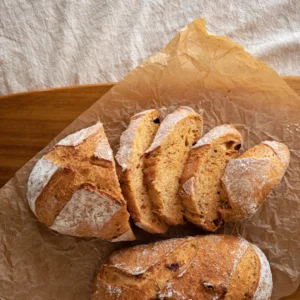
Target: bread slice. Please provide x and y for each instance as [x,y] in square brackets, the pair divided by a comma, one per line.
[130,157]
[165,158]
[200,181]
[201,267]
[249,179]
[74,188]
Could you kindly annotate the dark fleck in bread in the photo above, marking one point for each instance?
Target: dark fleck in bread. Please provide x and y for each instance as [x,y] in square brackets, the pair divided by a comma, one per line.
[200,181]
[74,188]
[130,157]
[202,267]
[249,179]
[165,158]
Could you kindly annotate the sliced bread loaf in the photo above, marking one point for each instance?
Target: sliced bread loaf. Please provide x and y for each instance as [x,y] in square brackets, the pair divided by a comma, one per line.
[201,267]
[249,179]
[165,159]
[74,188]
[200,181]
[130,157]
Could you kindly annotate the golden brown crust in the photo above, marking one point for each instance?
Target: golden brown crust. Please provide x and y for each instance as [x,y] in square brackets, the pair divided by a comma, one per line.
[79,193]
[105,291]
[202,267]
[244,283]
[55,195]
[200,181]
[164,162]
[249,179]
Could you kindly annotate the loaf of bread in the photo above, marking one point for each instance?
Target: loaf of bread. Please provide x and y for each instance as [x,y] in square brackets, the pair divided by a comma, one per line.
[197,268]
[74,188]
[130,157]
[165,158]
[249,179]
[200,181]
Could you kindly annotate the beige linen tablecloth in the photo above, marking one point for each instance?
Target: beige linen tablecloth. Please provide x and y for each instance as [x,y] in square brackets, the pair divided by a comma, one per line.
[45,44]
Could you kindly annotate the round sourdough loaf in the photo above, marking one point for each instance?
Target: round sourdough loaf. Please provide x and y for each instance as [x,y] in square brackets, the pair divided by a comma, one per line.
[74,188]
[200,268]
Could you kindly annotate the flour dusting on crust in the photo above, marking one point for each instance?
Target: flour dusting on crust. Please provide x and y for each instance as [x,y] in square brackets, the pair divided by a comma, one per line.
[189,186]
[146,256]
[216,133]
[238,254]
[39,178]
[265,285]
[167,125]
[80,136]
[170,292]
[103,150]
[142,113]
[87,210]
[281,150]
[114,291]
[244,180]
[127,139]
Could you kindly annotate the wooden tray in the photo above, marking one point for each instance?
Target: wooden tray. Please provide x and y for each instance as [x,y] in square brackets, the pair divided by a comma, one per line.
[29,121]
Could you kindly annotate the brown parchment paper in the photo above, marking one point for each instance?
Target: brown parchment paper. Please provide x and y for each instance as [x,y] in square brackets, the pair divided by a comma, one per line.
[211,74]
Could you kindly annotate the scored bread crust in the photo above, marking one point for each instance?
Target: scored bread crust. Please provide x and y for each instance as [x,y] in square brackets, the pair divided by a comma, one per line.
[165,158]
[249,179]
[200,181]
[74,188]
[201,267]
[133,143]
[91,213]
